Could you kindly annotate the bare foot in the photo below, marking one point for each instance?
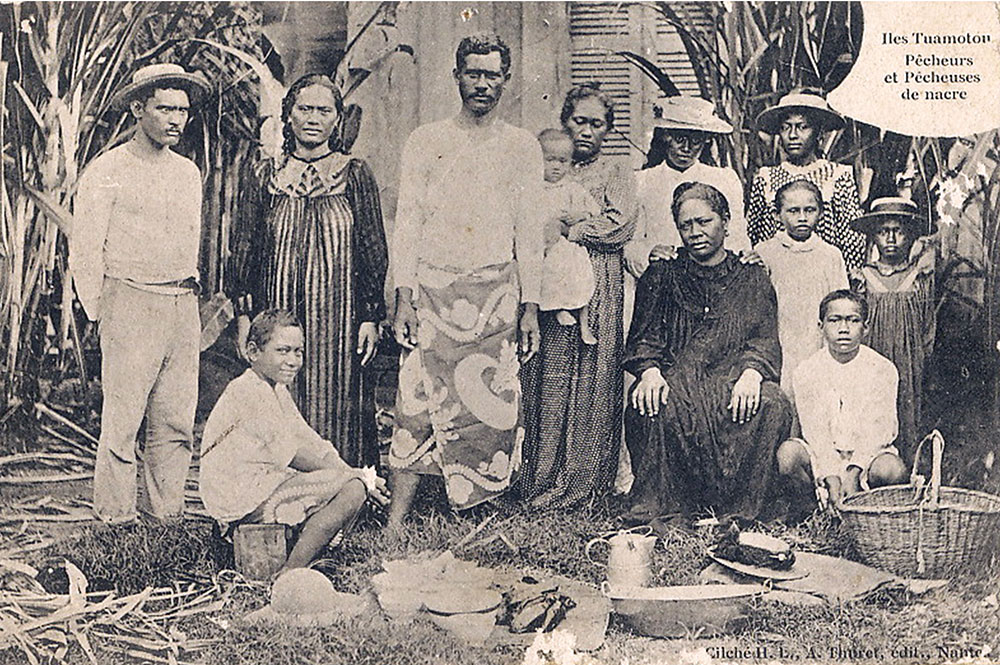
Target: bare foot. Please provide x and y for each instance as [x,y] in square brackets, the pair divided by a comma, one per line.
[565,318]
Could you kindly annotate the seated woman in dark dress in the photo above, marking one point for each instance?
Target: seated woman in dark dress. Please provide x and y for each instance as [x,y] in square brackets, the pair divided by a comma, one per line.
[706,415]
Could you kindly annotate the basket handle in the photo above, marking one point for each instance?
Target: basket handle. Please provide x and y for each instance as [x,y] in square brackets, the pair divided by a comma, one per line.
[937,451]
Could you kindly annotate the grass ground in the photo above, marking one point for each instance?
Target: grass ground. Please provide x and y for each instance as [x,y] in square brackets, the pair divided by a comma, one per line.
[960,621]
[893,627]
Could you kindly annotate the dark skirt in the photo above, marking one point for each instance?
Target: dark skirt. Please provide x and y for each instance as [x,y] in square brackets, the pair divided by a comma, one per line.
[692,457]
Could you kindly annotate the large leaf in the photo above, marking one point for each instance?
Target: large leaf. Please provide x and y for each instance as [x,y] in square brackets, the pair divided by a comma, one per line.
[658,76]
[55,211]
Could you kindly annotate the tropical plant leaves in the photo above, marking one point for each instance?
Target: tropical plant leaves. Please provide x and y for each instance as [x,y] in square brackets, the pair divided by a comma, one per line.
[658,76]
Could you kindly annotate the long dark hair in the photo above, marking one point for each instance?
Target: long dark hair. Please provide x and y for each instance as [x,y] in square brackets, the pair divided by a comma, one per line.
[288,146]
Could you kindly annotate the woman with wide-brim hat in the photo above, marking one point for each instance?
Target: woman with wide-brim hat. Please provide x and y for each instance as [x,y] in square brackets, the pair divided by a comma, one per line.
[798,120]
[898,283]
[682,128]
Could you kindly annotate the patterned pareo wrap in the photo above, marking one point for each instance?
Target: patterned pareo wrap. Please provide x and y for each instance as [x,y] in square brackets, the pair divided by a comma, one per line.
[458,405]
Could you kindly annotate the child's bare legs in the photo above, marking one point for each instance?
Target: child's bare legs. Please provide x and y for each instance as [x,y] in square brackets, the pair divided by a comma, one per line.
[586,334]
[795,467]
[324,524]
[794,464]
[567,317]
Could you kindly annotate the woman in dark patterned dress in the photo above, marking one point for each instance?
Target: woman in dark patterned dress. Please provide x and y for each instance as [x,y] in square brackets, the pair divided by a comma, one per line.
[706,414]
[309,239]
[572,392]
[798,120]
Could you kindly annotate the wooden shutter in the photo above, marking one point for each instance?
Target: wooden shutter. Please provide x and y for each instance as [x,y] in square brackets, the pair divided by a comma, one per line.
[672,57]
[597,30]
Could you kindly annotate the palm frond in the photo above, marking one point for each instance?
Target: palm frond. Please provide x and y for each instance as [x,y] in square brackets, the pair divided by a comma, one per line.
[658,76]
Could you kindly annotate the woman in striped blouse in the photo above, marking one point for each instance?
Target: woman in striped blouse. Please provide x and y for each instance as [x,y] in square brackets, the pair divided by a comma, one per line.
[798,120]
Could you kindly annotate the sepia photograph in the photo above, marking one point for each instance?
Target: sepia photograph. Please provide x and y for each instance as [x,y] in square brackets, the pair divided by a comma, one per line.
[499,333]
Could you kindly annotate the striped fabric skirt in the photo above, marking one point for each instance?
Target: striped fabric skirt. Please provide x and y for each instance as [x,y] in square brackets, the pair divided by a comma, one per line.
[312,274]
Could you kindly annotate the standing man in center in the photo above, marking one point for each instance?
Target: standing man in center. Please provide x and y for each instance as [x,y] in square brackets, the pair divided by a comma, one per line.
[466,259]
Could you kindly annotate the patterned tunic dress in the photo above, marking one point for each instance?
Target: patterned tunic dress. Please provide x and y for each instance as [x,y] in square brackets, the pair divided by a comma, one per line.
[572,391]
[901,328]
[840,205]
[702,327]
[310,240]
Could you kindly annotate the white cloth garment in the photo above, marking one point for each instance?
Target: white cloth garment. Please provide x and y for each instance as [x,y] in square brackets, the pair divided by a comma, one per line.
[134,219]
[469,199]
[567,272]
[846,408]
[251,437]
[656,222]
[802,273]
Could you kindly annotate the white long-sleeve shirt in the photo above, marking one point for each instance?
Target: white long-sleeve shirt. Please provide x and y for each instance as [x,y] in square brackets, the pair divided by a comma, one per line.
[134,219]
[656,194]
[467,200]
[251,437]
[847,407]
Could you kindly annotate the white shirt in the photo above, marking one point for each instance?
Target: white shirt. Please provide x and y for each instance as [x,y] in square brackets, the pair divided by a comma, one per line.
[849,407]
[251,437]
[134,219]
[467,200]
[656,193]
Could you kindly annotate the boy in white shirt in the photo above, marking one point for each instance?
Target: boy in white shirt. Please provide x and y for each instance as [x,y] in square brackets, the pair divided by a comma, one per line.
[804,268]
[846,403]
[261,462]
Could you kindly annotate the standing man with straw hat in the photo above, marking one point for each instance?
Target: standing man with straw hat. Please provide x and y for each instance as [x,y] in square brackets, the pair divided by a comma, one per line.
[799,120]
[134,258]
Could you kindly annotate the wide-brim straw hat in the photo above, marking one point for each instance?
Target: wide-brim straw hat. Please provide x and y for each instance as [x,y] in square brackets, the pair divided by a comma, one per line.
[162,74]
[689,113]
[891,207]
[806,103]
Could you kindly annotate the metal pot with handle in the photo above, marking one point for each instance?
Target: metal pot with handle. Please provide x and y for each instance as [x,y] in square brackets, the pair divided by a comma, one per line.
[630,556]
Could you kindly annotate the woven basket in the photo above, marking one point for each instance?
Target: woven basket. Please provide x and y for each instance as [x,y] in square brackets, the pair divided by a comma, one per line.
[920,530]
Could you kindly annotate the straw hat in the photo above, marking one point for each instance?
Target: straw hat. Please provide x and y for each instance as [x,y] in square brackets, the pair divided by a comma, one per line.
[891,207]
[689,113]
[807,103]
[164,73]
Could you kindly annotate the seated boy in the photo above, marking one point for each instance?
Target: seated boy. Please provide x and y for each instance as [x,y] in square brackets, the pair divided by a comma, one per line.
[261,462]
[845,396]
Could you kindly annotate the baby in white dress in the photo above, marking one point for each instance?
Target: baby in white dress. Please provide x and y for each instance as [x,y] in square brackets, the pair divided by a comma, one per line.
[567,273]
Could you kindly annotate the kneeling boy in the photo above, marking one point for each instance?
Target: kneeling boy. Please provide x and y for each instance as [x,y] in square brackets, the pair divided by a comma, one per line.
[261,462]
[845,396]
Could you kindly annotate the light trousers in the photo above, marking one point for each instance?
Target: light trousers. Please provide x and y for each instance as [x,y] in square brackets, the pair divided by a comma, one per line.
[149,368]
